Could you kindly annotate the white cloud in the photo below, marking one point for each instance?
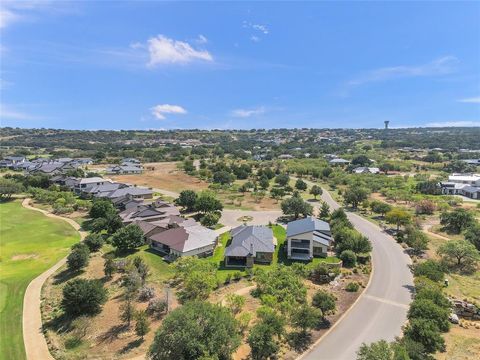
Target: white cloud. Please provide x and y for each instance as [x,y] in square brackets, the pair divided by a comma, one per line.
[163,50]
[474,100]
[245,113]
[7,112]
[261,28]
[440,66]
[202,39]
[7,17]
[255,38]
[453,123]
[159,111]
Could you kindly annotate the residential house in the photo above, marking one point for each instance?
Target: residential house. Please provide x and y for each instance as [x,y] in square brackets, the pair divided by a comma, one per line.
[462,184]
[193,240]
[124,169]
[147,212]
[85,184]
[132,191]
[308,238]
[339,161]
[250,244]
[366,170]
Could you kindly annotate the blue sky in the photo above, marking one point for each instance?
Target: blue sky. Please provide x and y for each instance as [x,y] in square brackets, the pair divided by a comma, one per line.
[166,65]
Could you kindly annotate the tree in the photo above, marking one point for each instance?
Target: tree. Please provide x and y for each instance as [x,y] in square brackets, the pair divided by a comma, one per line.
[83,297]
[380,207]
[127,311]
[429,187]
[186,199]
[264,183]
[210,219]
[324,301]
[355,195]
[101,209]
[109,267]
[426,333]
[380,350]
[428,310]
[142,268]
[431,269]
[94,242]
[459,253]
[316,191]
[78,257]
[207,202]
[197,285]
[142,327]
[277,193]
[425,207]
[8,187]
[457,220]
[271,318]
[194,330]
[282,179]
[416,239]
[235,303]
[473,235]
[296,206]
[223,177]
[306,317]
[398,217]
[261,341]
[128,238]
[324,211]
[349,258]
[300,185]
[361,160]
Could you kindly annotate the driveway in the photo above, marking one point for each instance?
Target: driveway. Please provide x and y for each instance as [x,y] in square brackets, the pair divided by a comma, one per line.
[381,310]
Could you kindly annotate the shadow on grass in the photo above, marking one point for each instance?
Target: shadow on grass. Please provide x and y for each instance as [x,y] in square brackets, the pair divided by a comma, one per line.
[113,333]
[131,345]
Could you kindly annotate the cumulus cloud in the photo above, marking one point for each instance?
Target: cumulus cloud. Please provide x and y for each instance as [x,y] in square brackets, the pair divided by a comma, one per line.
[163,50]
[473,100]
[255,38]
[159,111]
[245,113]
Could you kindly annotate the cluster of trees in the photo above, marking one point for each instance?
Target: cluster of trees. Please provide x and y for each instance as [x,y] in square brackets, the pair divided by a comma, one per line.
[62,201]
[104,218]
[205,203]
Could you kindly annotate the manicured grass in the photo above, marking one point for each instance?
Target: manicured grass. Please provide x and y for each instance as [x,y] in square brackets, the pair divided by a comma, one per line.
[159,269]
[30,243]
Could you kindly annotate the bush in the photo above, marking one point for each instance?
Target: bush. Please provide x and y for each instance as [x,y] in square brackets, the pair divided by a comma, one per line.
[324,301]
[83,297]
[431,269]
[352,287]
[146,293]
[157,307]
[94,242]
[348,258]
[210,219]
[79,257]
[128,238]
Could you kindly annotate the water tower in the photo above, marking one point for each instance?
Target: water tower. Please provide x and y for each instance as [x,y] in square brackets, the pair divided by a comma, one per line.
[386,124]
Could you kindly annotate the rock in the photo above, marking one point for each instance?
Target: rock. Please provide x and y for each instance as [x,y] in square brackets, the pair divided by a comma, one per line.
[454,318]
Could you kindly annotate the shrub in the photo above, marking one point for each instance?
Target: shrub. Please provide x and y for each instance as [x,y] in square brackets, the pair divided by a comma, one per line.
[352,287]
[324,301]
[79,257]
[348,258]
[210,219]
[128,238]
[157,307]
[431,269]
[146,293]
[94,242]
[237,275]
[83,297]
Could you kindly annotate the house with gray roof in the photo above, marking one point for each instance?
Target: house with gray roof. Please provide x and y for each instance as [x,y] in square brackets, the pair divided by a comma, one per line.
[85,184]
[124,169]
[308,238]
[339,161]
[131,191]
[250,244]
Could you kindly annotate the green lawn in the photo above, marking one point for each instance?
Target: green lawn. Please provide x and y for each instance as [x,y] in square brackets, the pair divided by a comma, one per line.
[30,243]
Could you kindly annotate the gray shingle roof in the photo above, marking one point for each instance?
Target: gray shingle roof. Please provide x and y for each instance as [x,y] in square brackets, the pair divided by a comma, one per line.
[308,224]
[250,240]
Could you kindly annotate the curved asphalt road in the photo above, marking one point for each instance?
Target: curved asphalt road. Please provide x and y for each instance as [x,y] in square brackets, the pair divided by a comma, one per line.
[381,311]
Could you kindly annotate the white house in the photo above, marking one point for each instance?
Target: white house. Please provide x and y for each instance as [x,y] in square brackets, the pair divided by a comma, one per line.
[462,184]
[366,170]
[307,238]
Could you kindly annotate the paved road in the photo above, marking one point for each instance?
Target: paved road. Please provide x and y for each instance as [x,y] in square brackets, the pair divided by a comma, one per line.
[381,310]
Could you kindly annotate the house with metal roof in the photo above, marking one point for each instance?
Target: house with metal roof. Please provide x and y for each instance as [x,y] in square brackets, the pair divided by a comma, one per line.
[462,184]
[250,244]
[307,238]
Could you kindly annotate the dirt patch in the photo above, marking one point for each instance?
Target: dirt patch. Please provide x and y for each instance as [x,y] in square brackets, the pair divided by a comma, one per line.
[24,257]
[165,175]
[462,343]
